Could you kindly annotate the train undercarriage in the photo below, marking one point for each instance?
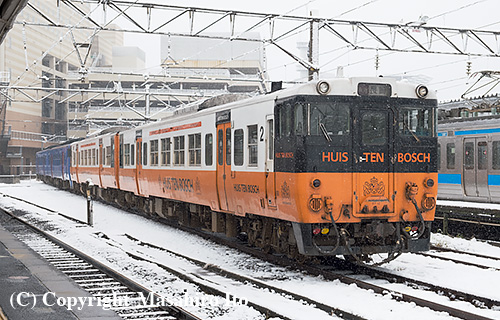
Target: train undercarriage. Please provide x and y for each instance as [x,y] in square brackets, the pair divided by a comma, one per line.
[301,242]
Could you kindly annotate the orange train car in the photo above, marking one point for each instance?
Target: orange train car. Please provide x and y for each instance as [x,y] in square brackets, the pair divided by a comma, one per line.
[332,167]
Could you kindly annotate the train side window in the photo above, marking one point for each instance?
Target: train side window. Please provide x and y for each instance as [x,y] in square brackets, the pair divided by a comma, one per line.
[469,155]
[220,147]
[108,155]
[165,151]
[439,157]
[132,154]
[238,147]
[144,153]
[126,154]
[153,149]
[93,156]
[194,148]
[450,156]
[179,151]
[252,145]
[482,155]
[270,129]
[228,146]
[496,155]
[209,145]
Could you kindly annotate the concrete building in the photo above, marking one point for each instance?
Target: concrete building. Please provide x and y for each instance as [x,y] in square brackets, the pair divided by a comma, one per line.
[38,57]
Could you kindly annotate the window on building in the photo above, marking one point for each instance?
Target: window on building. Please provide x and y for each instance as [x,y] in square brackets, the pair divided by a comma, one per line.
[154,152]
[179,150]
[252,145]
[450,156]
[238,147]
[194,145]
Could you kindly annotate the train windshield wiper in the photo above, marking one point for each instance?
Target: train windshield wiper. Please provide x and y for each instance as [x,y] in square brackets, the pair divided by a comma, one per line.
[412,133]
[325,132]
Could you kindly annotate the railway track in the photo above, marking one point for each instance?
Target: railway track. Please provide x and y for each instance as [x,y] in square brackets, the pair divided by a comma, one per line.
[469,222]
[330,274]
[109,287]
[109,284]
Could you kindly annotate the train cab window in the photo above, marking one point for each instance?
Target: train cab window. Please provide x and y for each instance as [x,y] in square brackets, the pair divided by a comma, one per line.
[469,155]
[374,128]
[416,121]
[179,151]
[332,119]
[194,149]
[153,149]
[252,145]
[450,156]
[482,155]
[300,120]
[209,149]
[284,120]
[238,147]
[165,151]
[495,155]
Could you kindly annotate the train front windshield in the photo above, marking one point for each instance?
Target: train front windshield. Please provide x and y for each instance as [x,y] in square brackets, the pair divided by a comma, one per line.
[418,121]
[331,119]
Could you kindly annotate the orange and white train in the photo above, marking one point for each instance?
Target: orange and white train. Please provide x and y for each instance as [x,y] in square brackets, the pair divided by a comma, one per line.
[346,166]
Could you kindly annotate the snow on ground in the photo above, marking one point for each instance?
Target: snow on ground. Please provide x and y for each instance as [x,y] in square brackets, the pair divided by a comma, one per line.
[116,223]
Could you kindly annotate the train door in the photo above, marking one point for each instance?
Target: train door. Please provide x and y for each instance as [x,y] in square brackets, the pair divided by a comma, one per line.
[475,168]
[373,177]
[270,173]
[223,158]
[138,159]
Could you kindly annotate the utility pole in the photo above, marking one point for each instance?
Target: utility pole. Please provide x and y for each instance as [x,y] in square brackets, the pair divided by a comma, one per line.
[313,54]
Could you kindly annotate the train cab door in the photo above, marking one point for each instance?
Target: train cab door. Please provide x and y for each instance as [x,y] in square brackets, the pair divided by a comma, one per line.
[138,159]
[270,173]
[373,178]
[223,125]
[475,167]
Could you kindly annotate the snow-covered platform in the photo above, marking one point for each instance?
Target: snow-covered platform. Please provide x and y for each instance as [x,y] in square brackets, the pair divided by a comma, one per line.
[30,287]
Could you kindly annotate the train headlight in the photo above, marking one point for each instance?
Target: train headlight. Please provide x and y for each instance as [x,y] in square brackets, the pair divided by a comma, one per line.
[429,183]
[323,87]
[316,183]
[422,91]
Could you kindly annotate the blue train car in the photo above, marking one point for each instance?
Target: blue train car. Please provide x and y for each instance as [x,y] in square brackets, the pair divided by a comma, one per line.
[469,166]
[55,162]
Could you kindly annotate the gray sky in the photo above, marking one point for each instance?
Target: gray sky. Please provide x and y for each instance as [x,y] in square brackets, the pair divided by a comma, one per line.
[446,73]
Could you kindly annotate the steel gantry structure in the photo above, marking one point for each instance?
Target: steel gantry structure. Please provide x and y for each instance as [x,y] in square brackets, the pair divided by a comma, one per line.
[178,21]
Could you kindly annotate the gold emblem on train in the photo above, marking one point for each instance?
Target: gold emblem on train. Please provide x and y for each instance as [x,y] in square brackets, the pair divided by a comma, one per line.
[374,187]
